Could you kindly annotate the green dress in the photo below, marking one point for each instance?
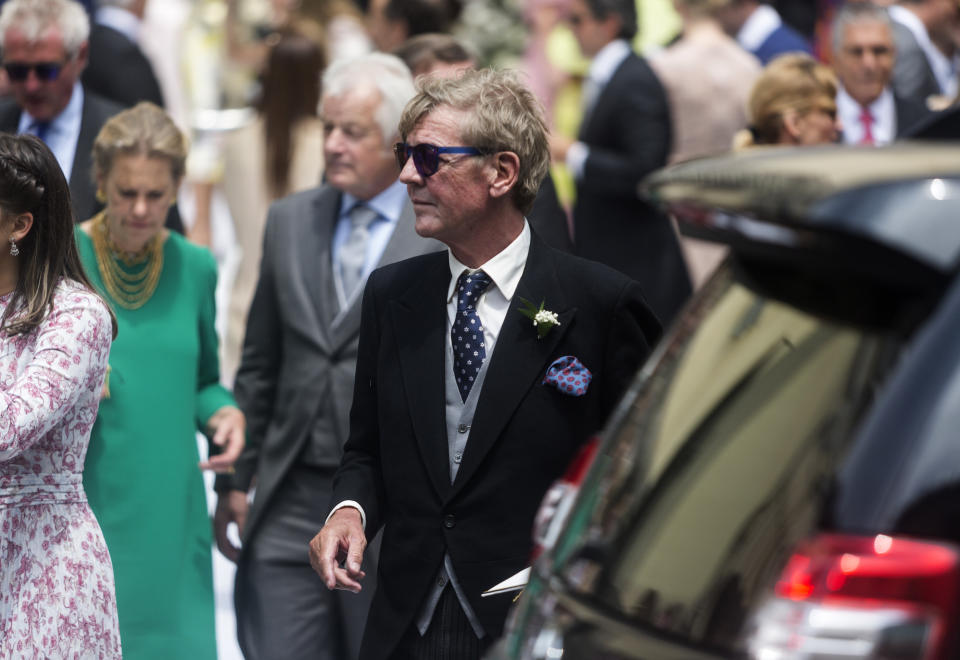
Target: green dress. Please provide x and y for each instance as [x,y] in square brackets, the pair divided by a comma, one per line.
[141,473]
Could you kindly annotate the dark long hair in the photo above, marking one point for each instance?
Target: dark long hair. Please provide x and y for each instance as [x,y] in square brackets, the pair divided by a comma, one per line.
[290,90]
[31,182]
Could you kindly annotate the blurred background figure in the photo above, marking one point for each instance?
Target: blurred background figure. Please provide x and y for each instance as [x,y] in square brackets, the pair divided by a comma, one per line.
[708,78]
[863,58]
[118,69]
[279,152]
[391,22]
[142,474]
[45,49]
[56,581]
[759,29]
[924,39]
[435,53]
[793,102]
[625,134]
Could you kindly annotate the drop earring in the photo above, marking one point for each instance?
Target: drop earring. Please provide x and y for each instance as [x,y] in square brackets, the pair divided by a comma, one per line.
[14,250]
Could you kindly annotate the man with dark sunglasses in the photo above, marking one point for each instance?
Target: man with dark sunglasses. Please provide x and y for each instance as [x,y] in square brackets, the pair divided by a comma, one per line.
[44,46]
[481,372]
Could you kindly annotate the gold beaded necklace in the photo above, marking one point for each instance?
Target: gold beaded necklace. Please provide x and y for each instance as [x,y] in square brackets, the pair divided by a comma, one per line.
[132,283]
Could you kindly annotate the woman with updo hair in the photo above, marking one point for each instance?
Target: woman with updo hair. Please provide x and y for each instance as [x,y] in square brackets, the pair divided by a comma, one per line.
[57,596]
[143,473]
[792,103]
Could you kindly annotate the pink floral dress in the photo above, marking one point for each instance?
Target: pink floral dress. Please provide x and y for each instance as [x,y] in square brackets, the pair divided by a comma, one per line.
[56,581]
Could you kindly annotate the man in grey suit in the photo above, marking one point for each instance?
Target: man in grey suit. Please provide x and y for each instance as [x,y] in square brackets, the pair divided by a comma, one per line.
[295,381]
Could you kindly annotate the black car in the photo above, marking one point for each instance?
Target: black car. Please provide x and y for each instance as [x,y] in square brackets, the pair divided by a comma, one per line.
[782,480]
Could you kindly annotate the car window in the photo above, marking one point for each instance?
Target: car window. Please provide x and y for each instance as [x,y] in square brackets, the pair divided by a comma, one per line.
[721,462]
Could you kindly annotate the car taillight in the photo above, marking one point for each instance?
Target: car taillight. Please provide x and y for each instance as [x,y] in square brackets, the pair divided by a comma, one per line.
[875,597]
[557,501]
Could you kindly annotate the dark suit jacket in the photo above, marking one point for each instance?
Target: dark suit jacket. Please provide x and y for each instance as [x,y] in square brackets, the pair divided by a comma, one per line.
[118,69]
[782,40]
[628,133]
[910,113]
[96,111]
[943,125]
[523,436]
[912,76]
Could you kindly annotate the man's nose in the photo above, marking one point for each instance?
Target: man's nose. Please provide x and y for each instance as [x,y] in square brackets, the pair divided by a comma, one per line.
[409,173]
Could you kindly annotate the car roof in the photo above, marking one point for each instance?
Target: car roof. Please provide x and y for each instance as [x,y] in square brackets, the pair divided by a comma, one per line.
[905,196]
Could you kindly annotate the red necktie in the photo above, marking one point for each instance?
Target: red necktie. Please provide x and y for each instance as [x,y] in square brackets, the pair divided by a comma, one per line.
[866,120]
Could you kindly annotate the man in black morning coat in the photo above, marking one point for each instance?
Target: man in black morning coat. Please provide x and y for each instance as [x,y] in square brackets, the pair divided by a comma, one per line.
[463,415]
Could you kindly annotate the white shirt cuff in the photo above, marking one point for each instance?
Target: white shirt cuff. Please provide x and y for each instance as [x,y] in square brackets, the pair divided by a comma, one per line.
[577,158]
[354,505]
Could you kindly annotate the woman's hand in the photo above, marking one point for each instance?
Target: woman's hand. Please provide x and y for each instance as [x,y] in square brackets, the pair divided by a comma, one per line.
[228,426]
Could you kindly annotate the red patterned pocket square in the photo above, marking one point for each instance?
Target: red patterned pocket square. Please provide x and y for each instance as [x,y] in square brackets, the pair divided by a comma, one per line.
[568,375]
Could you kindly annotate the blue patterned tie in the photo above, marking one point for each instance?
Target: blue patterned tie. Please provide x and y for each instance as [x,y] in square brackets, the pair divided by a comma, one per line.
[466,334]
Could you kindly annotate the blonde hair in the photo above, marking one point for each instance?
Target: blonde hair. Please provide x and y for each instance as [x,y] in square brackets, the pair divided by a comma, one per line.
[144,130]
[794,82]
[504,115]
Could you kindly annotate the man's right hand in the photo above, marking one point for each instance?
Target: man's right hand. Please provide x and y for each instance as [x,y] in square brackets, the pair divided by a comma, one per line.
[232,506]
[336,552]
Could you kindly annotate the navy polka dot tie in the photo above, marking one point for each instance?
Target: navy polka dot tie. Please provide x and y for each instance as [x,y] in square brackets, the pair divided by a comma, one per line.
[466,334]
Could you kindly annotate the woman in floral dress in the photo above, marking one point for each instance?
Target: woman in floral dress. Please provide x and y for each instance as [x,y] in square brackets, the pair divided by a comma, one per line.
[56,580]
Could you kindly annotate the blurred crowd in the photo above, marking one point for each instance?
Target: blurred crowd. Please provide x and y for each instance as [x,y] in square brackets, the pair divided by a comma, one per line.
[181,125]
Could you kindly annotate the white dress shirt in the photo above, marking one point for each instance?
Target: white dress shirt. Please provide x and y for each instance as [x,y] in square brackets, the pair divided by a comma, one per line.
[602,68]
[758,26]
[63,132]
[884,113]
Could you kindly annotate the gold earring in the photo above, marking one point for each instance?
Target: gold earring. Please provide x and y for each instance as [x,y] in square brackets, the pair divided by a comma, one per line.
[101,197]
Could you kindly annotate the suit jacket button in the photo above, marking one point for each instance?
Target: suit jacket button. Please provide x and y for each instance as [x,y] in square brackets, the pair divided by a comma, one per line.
[463,428]
[449,522]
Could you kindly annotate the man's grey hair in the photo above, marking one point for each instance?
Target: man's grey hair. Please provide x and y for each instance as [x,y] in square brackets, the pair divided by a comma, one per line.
[852,13]
[34,17]
[503,115]
[385,73]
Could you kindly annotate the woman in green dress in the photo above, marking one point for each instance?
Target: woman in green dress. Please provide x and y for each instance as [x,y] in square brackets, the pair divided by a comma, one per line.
[143,476]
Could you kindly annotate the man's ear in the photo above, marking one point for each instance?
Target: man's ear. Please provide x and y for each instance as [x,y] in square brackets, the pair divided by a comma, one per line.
[82,54]
[506,171]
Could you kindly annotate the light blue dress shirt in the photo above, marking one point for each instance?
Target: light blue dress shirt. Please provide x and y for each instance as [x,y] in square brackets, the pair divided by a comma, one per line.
[388,205]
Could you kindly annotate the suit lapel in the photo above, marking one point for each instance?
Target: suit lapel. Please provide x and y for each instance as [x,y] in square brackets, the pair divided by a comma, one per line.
[519,359]
[420,323]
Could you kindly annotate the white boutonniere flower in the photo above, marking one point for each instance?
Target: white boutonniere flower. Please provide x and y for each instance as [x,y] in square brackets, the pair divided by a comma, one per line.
[543,319]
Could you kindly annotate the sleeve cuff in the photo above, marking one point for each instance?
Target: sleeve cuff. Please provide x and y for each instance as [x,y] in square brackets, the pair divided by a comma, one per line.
[577,158]
[349,503]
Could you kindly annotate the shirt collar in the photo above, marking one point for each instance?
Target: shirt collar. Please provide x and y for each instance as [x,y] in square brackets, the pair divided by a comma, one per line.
[120,20]
[504,269]
[760,24]
[606,61]
[62,122]
[388,203]
[848,107]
